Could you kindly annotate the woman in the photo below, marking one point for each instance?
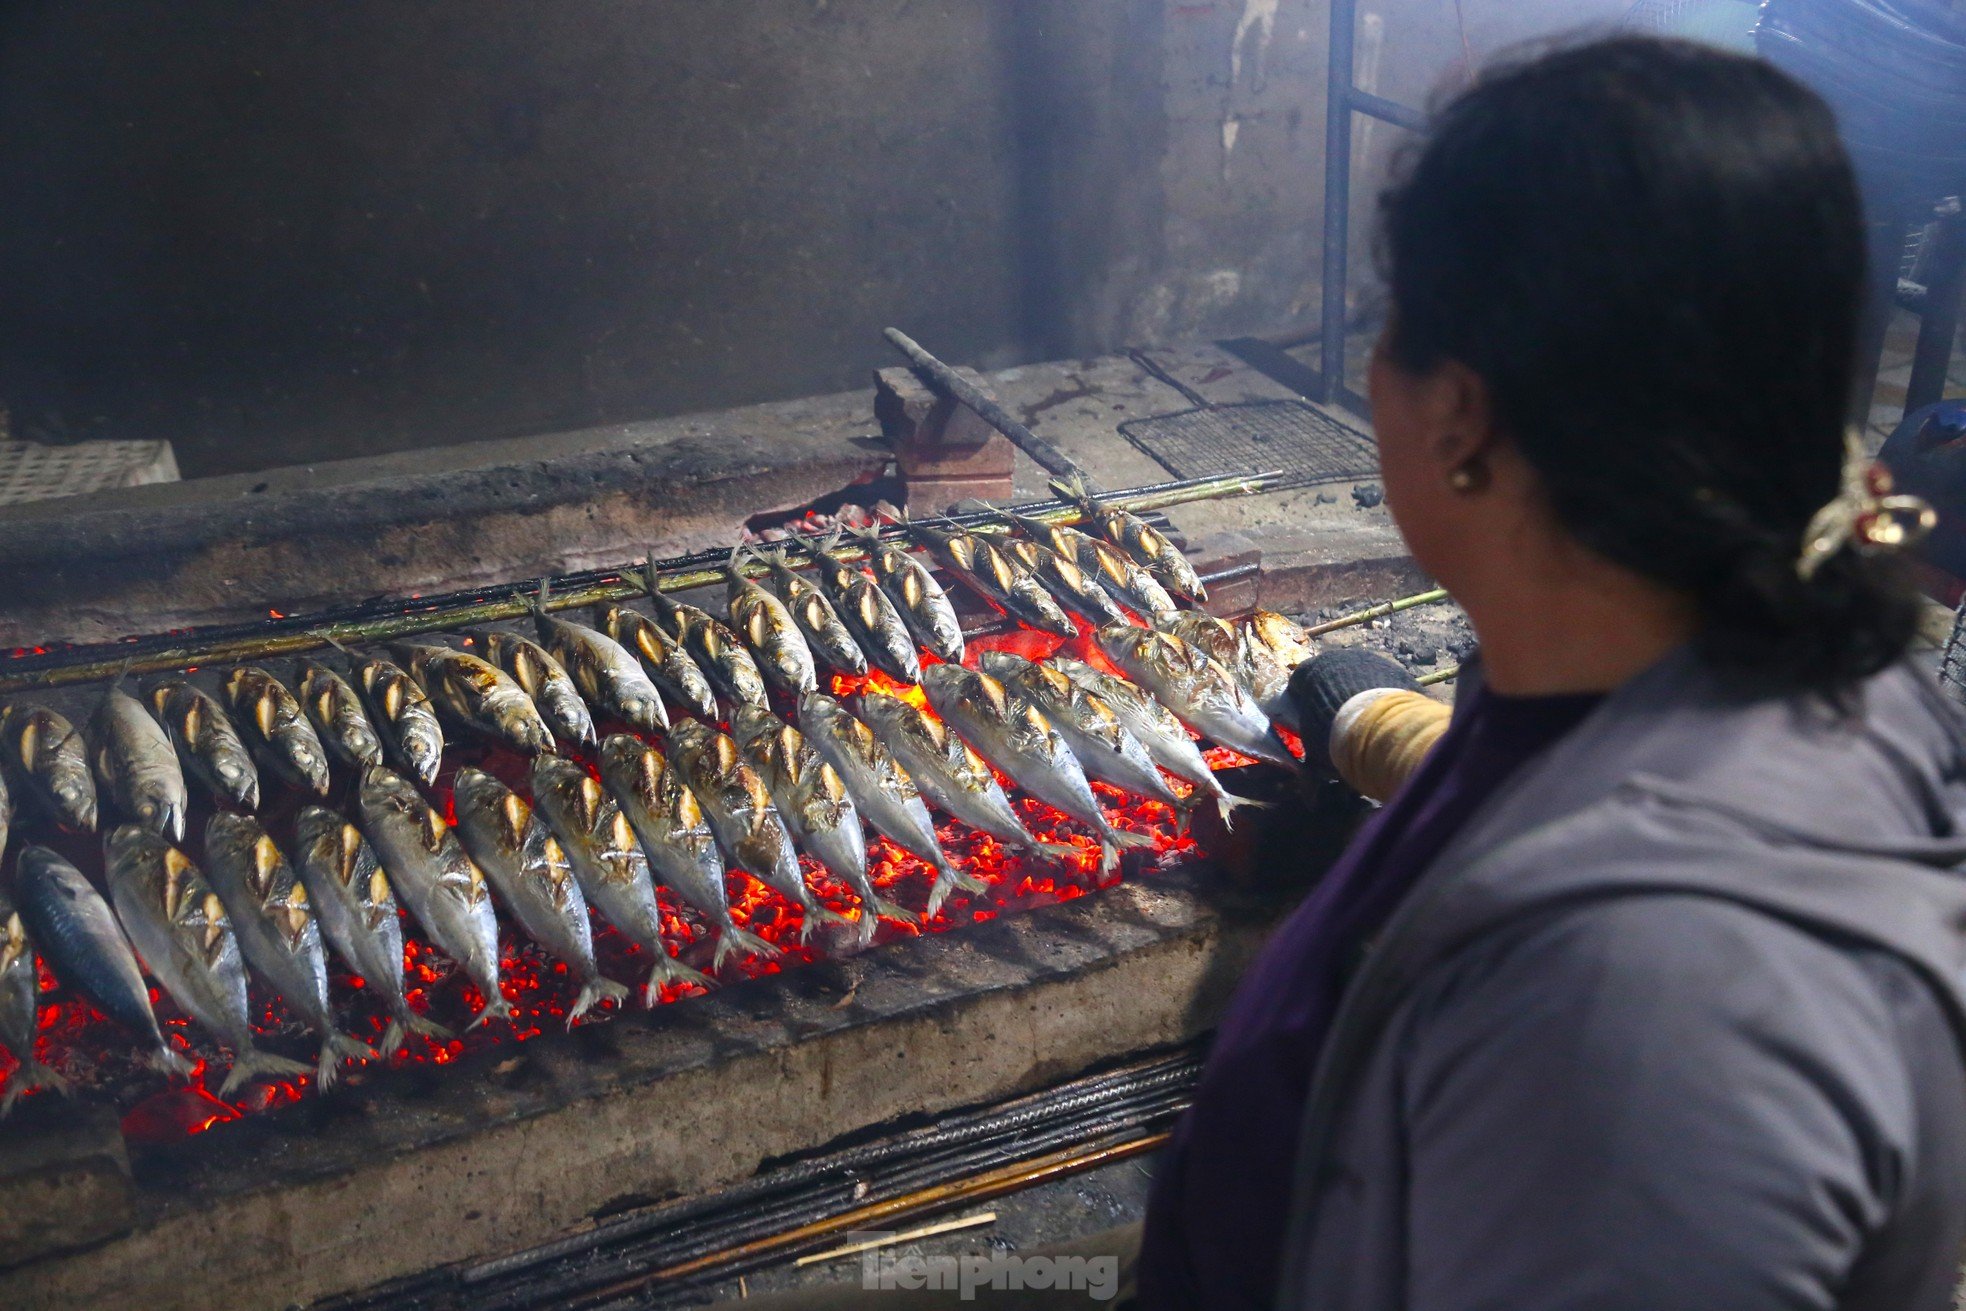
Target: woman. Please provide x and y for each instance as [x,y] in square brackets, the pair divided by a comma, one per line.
[1645,991]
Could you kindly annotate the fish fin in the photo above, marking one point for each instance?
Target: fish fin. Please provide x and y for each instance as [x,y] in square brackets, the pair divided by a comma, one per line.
[405,1022]
[670,970]
[30,1075]
[1064,851]
[947,880]
[733,939]
[169,1063]
[1113,842]
[495,1009]
[335,1048]
[250,1063]
[880,908]
[1228,802]
[816,914]
[593,993]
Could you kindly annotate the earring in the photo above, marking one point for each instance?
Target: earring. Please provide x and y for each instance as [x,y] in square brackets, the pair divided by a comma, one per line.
[1468,478]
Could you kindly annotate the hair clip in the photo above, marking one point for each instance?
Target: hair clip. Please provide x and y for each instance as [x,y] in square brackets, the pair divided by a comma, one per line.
[1865,514]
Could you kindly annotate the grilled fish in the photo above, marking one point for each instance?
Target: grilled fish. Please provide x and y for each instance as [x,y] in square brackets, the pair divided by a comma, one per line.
[79,938]
[1049,552]
[1164,736]
[338,718]
[531,874]
[680,845]
[812,799]
[478,695]
[430,871]
[738,805]
[717,651]
[770,631]
[1090,727]
[1203,694]
[1283,636]
[996,577]
[1271,647]
[136,765]
[887,796]
[404,714]
[180,927]
[208,745]
[1204,632]
[544,679]
[1116,571]
[276,929]
[826,636]
[6,811]
[272,722]
[610,867]
[47,759]
[920,601]
[663,658]
[604,670]
[948,771]
[1014,735]
[1137,538]
[348,890]
[20,1010]
[872,619]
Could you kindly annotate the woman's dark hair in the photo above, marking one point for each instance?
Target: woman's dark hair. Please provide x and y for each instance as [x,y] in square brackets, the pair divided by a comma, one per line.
[1652,253]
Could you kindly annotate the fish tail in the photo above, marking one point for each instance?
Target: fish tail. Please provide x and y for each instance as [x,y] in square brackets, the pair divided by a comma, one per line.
[595,991]
[733,939]
[336,1048]
[949,879]
[171,1064]
[880,908]
[816,914]
[31,1075]
[1112,842]
[405,1022]
[1055,850]
[496,1008]
[1228,802]
[249,1063]
[670,970]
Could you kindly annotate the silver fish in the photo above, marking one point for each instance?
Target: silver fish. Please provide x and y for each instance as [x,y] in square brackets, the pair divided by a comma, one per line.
[1049,552]
[1165,737]
[1196,688]
[676,837]
[1203,631]
[948,771]
[444,889]
[1284,637]
[47,759]
[533,877]
[180,927]
[872,619]
[984,568]
[1266,677]
[277,930]
[1123,578]
[748,827]
[271,721]
[478,695]
[1014,735]
[6,811]
[764,623]
[20,1011]
[79,938]
[813,800]
[1090,727]
[887,796]
[609,865]
[663,658]
[136,765]
[349,891]
[337,715]
[1137,538]
[717,651]
[826,636]
[922,604]
[604,670]
[404,714]
[208,744]
[544,679]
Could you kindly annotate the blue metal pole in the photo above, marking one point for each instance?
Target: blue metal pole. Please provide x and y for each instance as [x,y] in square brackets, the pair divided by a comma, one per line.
[1337,195]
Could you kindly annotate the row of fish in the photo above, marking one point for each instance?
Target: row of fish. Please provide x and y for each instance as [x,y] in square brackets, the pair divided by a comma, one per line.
[753,795]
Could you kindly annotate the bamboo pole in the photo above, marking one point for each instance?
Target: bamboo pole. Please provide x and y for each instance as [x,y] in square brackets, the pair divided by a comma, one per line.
[1379,611]
[193,653]
[1438,676]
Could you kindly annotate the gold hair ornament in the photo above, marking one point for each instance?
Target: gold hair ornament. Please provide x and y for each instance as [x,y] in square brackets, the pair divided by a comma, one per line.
[1865,514]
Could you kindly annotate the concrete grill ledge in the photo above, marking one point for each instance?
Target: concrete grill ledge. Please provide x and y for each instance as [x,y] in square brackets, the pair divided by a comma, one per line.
[214,550]
[519,1144]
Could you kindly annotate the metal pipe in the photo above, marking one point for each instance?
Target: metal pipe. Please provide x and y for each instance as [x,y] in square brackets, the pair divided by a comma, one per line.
[1337,196]
[947,380]
[1387,111]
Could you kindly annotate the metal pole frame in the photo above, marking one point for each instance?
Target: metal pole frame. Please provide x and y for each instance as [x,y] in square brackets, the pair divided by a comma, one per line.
[1343,99]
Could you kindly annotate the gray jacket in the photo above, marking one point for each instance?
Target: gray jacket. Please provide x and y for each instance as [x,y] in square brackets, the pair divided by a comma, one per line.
[1676,1021]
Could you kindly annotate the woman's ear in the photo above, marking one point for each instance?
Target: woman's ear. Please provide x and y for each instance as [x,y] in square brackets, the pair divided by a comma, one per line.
[1459,416]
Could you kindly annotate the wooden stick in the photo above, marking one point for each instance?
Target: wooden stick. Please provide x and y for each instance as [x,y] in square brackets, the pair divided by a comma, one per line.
[889,1240]
[945,379]
[1379,611]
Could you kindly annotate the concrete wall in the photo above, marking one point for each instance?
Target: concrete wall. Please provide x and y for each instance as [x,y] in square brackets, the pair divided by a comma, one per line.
[290,232]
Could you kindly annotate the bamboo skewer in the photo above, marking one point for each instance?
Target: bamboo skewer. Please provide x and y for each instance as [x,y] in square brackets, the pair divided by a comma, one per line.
[1379,611]
[1444,675]
[314,637]
[892,1240]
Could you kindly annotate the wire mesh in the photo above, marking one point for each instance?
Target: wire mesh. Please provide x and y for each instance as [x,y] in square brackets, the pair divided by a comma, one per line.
[1302,443]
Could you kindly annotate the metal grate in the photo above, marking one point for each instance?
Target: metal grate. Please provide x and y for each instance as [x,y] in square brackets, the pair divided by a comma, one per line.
[32,472]
[1304,444]
[1952,663]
